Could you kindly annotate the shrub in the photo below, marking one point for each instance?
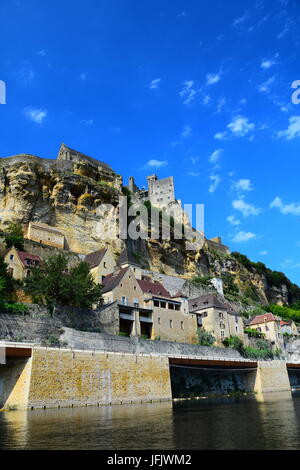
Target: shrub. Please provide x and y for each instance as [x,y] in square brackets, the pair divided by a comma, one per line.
[205,338]
[203,281]
[253,333]
[15,308]
[234,342]
[13,236]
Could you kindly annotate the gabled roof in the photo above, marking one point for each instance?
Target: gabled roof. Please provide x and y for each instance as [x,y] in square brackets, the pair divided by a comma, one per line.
[208,301]
[267,317]
[282,323]
[94,259]
[23,255]
[154,288]
[127,257]
[111,281]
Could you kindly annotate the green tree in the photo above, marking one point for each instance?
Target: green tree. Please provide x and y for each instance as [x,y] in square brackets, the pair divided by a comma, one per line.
[205,338]
[13,236]
[6,282]
[54,284]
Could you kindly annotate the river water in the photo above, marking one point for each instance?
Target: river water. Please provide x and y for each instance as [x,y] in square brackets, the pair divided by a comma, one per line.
[242,423]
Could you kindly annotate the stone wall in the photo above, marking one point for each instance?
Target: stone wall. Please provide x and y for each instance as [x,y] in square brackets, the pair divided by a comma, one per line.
[67,378]
[136,345]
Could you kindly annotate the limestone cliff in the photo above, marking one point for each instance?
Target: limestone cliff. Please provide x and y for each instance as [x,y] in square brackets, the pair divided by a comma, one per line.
[63,194]
[66,193]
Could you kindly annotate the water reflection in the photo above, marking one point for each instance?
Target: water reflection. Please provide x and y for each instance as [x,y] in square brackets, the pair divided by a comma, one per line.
[231,423]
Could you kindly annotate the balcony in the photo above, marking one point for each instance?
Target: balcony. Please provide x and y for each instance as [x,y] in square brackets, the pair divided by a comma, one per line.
[146,319]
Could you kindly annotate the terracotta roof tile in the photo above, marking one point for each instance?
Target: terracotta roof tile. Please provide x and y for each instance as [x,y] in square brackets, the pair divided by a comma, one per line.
[155,288]
[263,319]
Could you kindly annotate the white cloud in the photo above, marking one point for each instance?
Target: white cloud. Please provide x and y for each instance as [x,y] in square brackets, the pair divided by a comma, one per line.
[25,74]
[268,63]
[186,132]
[194,173]
[194,160]
[215,183]
[243,185]
[243,237]
[220,135]
[35,115]
[245,208]
[221,104]
[263,252]
[293,208]
[233,220]
[156,163]
[215,156]
[87,122]
[240,126]
[293,129]
[188,93]
[240,20]
[155,84]
[82,76]
[212,78]
[42,53]
[265,87]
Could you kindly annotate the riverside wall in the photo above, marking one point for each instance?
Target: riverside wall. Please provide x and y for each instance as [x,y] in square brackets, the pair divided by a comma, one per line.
[64,378]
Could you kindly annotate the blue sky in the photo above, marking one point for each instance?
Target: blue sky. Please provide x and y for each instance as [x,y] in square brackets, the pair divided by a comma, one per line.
[197,89]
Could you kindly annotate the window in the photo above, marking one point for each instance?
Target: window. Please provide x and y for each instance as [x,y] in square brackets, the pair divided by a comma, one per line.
[163,304]
[236,329]
[11,257]
[124,300]
[177,307]
[171,323]
[156,303]
[136,302]
[158,320]
[104,264]
[220,315]
[222,334]
[134,288]
[182,325]
[171,306]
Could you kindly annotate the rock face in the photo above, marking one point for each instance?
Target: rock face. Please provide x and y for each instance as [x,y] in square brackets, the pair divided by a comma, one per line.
[79,196]
[60,193]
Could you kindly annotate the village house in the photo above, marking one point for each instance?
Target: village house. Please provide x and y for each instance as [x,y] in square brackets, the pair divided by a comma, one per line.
[20,263]
[269,324]
[43,233]
[146,308]
[217,317]
[101,263]
[289,327]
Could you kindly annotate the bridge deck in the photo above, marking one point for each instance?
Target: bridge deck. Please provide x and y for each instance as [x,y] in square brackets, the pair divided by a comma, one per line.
[213,363]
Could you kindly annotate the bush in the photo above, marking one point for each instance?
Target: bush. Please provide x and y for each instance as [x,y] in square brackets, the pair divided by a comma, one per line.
[15,308]
[253,333]
[203,281]
[205,338]
[13,236]
[253,353]
[233,342]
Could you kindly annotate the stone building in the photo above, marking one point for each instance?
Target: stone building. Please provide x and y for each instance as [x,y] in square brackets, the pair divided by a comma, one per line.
[217,317]
[146,308]
[101,263]
[20,263]
[289,327]
[43,233]
[269,324]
